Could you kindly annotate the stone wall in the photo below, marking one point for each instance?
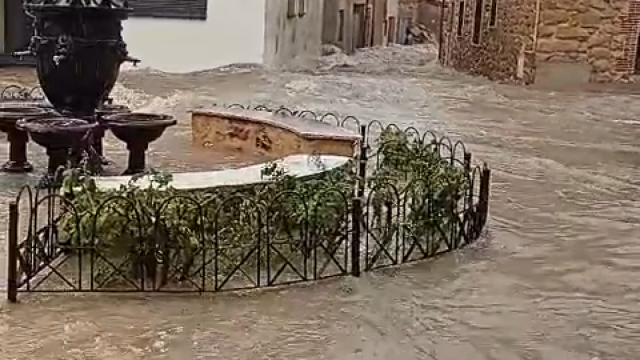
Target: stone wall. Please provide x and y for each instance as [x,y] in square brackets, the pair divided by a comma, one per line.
[258,134]
[505,50]
[588,31]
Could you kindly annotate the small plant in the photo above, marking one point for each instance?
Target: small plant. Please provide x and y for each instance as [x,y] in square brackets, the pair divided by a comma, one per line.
[150,230]
[414,183]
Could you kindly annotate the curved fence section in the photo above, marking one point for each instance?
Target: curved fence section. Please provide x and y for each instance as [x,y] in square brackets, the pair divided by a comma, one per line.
[406,196]
[15,93]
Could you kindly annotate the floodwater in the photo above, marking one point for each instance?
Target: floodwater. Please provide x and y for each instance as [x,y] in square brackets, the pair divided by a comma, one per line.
[555,278]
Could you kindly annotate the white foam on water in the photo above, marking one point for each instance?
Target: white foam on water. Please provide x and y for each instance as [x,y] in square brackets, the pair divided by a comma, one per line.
[133,99]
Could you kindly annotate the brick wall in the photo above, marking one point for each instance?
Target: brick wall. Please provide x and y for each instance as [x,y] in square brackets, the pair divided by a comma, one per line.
[630,26]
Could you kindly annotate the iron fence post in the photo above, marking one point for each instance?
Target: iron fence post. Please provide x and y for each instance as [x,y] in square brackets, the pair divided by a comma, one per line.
[467,162]
[362,161]
[356,221]
[441,34]
[483,202]
[12,273]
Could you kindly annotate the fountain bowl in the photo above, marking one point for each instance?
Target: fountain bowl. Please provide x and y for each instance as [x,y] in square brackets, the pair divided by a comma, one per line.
[10,114]
[56,132]
[138,127]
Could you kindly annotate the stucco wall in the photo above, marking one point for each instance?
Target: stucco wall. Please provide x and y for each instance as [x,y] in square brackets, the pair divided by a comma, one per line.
[332,24]
[504,52]
[296,40]
[381,10]
[232,33]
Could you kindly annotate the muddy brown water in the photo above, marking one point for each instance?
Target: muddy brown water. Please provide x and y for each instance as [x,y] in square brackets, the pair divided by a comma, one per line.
[557,276]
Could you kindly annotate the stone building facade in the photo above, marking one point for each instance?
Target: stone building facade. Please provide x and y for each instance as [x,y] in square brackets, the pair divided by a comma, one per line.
[494,38]
[293,32]
[353,24]
[427,13]
[527,41]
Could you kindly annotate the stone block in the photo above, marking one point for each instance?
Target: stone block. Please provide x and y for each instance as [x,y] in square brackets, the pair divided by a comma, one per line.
[590,19]
[554,45]
[566,32]
[555,17]
[601,65]
[546,31]
[600,53]
[598,39]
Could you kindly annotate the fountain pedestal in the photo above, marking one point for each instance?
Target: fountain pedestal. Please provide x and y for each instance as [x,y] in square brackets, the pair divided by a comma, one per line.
[138,130]
[9,116]
[107,108]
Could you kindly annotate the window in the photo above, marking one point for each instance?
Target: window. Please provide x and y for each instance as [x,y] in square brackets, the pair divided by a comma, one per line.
[169,9]
[477,23]
[291,9]
[341,25]
[493,13]
[302,7]
[460,17]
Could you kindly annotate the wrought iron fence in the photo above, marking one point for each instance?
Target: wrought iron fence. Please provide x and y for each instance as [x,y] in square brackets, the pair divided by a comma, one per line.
[16,93]
[382,210]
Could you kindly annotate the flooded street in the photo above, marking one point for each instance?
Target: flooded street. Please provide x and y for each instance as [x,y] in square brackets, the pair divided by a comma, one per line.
[556,278]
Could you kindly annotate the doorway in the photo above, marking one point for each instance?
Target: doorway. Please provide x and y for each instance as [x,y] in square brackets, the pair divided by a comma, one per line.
[637,69]
[17,30]
[391,31]
[359,28]
[403,27]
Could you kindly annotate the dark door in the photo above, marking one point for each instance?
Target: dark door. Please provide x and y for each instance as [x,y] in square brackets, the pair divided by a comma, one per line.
[638,56]
[359,25]
[18,28]
[391,30]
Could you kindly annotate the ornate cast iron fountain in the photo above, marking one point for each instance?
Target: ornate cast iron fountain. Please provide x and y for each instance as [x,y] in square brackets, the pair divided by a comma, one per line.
[79,48]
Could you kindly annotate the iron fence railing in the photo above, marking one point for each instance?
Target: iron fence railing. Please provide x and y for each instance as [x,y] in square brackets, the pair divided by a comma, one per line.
[19,93]
[256,237]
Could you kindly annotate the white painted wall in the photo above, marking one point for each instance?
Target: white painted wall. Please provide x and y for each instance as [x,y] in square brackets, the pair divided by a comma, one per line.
[233,33]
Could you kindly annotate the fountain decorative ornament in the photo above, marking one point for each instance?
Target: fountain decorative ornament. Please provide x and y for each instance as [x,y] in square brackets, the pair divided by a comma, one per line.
[78,48]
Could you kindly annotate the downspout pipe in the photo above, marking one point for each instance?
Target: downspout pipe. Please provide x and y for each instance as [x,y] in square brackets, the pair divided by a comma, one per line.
[441,34]
[536,25]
